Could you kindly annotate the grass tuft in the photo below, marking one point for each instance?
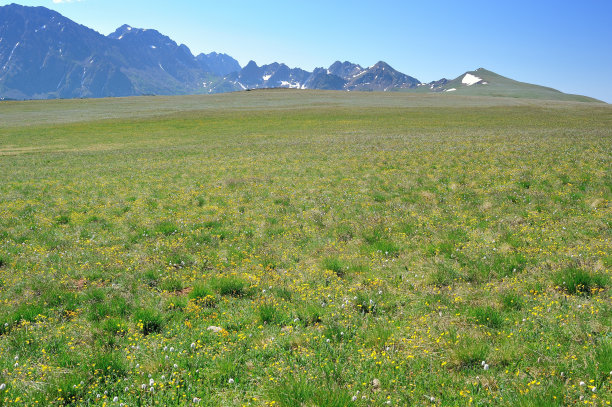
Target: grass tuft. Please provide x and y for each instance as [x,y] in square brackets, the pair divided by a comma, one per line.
[334,264]
[232,286]
[488,316]
[166,228]
[203,295]
[300,392]
[271,314]
[511,301]
[577,281]
[150,321]
[469,354]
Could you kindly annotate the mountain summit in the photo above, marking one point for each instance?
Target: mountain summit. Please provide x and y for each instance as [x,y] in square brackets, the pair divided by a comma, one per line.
[483,82]
[45,55]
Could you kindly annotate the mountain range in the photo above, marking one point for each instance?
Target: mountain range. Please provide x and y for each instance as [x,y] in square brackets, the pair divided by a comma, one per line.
[45,55]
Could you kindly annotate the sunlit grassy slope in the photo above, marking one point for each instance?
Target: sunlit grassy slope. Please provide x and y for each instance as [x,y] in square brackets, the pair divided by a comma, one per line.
[305,249]
[500,86]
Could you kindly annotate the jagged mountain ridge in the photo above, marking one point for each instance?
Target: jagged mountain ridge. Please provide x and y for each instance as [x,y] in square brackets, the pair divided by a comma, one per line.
[339,76]
[45,55]
[346,70]
[268,76]
[381,77]
[70,60]
[219,64]
[168,67]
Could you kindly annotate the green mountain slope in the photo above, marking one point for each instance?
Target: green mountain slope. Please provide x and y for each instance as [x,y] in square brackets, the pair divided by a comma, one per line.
[482,82]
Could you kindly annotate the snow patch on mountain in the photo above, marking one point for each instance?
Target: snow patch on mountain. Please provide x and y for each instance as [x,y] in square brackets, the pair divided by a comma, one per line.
[10,56]
[291,85]
[470,79]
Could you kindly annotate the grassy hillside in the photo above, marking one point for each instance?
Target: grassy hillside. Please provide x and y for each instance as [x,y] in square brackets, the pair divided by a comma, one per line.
[305,249]
[498,85]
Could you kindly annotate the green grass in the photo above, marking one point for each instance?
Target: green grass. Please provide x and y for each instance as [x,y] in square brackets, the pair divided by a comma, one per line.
[232,286]
[578,281]
[354,249]
[488,316]
[149,321]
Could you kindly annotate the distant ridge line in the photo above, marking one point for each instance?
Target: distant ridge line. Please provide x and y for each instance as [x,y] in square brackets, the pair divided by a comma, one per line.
[44,55]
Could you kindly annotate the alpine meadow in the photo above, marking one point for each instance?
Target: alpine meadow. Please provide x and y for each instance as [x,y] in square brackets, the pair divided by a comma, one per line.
[305,248]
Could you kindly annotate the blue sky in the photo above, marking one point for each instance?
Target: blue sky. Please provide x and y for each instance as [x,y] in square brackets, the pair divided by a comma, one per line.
[563,44]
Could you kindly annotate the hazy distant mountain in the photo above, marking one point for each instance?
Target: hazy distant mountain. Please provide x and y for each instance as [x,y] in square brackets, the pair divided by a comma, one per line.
[381,77]
[45,55]
[274,75]
[219,64]
[346,70]
[339,76]
[322,79]
[156,64]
